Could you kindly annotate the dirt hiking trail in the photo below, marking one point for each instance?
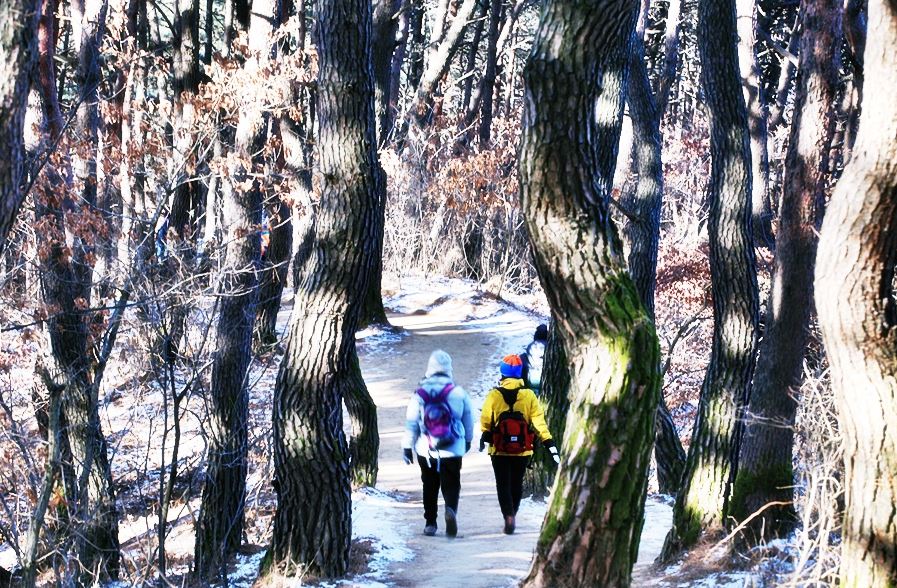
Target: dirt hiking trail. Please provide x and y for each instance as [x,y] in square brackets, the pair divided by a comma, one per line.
[476,331]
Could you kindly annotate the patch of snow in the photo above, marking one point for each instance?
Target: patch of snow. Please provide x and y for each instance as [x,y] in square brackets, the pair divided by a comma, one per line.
[246,570]
[724,580]
[370,521]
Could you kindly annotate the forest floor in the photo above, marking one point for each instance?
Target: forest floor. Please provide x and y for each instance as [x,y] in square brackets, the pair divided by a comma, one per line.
[476,328]
[476,331]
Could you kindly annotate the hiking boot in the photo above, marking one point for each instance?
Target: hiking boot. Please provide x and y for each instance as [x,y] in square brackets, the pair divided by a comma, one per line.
[451,522]
[510,525]
[430,530]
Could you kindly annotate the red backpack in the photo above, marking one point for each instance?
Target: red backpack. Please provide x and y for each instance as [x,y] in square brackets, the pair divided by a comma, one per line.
[512,433]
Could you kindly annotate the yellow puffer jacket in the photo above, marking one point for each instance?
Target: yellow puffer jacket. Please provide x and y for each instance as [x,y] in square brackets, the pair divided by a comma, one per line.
[526,403]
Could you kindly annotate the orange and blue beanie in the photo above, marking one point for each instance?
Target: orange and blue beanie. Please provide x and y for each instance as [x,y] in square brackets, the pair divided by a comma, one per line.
[511,366]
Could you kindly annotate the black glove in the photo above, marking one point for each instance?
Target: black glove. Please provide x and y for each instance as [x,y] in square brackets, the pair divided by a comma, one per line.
[486,437]
[407,456]
[466,446]
[553,450]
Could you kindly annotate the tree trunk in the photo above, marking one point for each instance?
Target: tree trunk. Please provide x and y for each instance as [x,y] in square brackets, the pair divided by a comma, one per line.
[66,274]
[642,232]
[756,109]
[670,56]
[472,51]
[784,85]
[712,461]
[182,218]
[688,68]
[312,525]
[276,266]
[488,83]
[18,53]
[383,44]
[219,527]
[438,60]
[765,467]
[365,442]
[855,300]
[574,81]
[398,62]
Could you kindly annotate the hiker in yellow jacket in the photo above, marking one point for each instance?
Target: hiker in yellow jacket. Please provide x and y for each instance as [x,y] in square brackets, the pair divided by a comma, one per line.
[511,418]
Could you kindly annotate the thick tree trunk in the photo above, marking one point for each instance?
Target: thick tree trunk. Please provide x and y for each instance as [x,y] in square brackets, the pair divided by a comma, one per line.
[18,54]
[365,442]
[756,109]
[710,470]
[642,232]
[856,303]
[312,525]
[574,82]
[219,527]
[66,285]
[765,466]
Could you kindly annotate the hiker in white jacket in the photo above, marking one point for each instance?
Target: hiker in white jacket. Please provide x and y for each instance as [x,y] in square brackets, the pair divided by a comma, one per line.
[439,427]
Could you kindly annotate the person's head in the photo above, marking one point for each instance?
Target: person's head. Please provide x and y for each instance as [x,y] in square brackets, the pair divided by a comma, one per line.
[541,333]
[511,366]
[440,363]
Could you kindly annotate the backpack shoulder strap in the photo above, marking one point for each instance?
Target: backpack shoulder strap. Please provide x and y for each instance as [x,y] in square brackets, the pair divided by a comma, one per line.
[422,394]
[446,390]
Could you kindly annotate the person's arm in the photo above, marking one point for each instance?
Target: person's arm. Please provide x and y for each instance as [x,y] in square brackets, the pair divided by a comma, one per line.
[486,421]
[412,423]
[467,419]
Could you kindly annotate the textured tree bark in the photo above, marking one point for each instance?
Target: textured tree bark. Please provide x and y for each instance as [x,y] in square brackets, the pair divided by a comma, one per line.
[756,109]
[364,444]
[312,525]
[701,506]
[488,83]
[398,60]
[574,81]
[276,266]
[472,51]
[765,466]
[66,277]
[688,68]
[383,44]
[670,56]
[438,60]
[855,299]
[185,199]
[219,527]
[18,53]
[642,232]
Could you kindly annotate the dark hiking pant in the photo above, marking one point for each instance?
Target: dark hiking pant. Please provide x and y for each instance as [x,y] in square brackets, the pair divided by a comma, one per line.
[444,474]
[509,470]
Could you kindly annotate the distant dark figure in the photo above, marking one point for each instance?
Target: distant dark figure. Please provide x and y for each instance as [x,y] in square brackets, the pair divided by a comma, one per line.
[532,359]
[439,426]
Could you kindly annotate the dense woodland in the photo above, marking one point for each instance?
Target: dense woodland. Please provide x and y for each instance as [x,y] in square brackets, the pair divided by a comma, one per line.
[704,191]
